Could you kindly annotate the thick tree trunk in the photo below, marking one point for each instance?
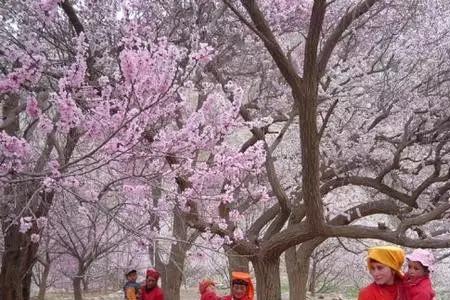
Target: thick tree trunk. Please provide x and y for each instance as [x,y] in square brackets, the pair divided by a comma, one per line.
[13,259]
[172,279]
[26,285]
[20,253]
[296,275]
[298,266]
[43,282]
[267,273]
[77,291]
[17,263]
[85,282]
[237,262]
[172,272]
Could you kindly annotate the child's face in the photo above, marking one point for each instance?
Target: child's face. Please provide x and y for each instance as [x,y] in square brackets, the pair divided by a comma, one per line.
[238,291]
[415,269]
[382,274]
[133,277]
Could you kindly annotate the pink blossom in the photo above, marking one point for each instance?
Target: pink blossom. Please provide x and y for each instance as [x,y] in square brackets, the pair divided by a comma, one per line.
[14,152]
[83,210]
[135,192]
[204,54]
[49,183]
[54,168]
[70,113]
[32,108]
[41,222]
[35,238]
[71,182]
[25,224]
[29,71]
[238,234]
[13,147]
[48,5]
[45,125]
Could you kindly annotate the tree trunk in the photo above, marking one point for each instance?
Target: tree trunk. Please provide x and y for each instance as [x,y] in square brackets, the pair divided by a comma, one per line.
[20,253]
[26,285]
[43,282]
[85,282]
[237,262]
[297,266]
[172,272]
[295,274]
[267,273]
[172,279]
[77,292]
[313,278]
[17,263]
[18,258]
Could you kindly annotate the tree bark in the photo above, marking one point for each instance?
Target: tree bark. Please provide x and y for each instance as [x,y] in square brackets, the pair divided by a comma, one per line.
[17,262]
[172,272]
[85,282]
[267,273]
[20,253]
[77,291]
[298,266]
[313,277]
[43,282]
[172,278]
[237,262]
[295,275]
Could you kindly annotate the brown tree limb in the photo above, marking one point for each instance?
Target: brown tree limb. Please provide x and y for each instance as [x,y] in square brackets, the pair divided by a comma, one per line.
[262,29]
[342,26]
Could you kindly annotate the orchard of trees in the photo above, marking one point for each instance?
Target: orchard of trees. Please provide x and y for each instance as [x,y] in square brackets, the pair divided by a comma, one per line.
[263,132]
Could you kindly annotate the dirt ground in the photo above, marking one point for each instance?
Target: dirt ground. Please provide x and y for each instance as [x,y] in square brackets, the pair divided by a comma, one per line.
[189,294]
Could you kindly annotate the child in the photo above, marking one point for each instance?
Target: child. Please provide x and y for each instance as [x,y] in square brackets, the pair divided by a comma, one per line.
[417,281]
[207,290]
[131,288]
[241,287]
[385,264]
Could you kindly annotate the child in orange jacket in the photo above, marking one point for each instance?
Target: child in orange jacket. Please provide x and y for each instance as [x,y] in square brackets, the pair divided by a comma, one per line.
[417,281]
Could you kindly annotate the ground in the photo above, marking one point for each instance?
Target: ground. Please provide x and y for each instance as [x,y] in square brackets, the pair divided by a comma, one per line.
[189,294]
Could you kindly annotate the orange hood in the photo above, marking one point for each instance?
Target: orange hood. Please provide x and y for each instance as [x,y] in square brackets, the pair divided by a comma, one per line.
[247,278]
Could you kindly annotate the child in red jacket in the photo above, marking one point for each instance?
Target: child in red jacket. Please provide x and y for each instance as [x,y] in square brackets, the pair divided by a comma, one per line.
[417,281]
[207,290]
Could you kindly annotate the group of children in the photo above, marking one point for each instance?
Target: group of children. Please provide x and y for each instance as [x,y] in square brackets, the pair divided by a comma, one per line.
[149,290]
[241,287]
[385,266]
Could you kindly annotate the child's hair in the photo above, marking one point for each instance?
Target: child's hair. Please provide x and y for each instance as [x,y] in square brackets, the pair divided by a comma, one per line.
[131,272]
[239,282]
